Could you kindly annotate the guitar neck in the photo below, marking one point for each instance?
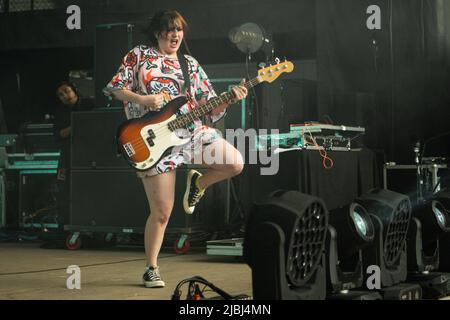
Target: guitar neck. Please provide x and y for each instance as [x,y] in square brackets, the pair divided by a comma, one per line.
[187,119]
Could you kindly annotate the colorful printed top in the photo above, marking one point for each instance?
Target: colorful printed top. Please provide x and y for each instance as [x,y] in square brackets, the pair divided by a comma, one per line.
[146,71]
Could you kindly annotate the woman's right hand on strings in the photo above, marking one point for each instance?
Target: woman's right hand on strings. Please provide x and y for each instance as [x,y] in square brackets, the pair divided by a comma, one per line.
[152,102]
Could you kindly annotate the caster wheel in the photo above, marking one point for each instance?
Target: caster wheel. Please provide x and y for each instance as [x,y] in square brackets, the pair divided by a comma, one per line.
[181,245]
[73,241]
[103,240]
[110,240]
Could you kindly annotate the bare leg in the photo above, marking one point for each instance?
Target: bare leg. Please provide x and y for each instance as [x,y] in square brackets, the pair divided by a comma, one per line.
[230,163]
[160,190]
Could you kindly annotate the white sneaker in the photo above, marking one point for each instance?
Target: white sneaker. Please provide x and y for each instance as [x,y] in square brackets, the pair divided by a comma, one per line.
[193,194]
[152,278]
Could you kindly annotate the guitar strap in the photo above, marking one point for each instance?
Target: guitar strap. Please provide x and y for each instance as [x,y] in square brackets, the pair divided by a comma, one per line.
[184,69]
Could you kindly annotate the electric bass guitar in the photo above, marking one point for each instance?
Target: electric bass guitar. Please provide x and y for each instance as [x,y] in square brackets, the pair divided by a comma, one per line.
[144,141]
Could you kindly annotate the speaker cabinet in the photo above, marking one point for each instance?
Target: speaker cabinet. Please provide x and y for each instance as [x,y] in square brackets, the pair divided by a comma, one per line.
[116,198]
[112,43]
[94,139]
[107,198]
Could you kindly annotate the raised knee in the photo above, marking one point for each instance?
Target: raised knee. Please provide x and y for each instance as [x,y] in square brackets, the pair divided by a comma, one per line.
[237,168]
[238,165]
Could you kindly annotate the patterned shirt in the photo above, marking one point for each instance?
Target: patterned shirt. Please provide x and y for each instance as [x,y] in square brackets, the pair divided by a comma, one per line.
[145,71]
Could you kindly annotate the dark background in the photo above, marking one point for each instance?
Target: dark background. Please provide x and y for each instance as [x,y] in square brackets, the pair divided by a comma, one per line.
[398,88]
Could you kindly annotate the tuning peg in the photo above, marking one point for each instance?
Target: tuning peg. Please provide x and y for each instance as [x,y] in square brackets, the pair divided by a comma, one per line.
[277,60]
[262,65]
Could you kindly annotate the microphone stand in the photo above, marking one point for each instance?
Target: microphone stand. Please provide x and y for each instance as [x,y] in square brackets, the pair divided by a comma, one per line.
[418,162]
[419,158]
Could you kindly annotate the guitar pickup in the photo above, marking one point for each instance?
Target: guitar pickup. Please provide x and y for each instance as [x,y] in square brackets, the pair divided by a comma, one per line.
[151,134]
[129,149]
[150,141]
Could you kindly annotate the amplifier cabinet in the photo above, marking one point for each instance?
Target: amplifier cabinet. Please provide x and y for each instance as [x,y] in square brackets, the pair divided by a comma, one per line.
[116,198]
[94,139]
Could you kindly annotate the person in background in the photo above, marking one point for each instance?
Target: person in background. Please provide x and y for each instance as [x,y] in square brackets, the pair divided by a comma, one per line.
[69,101]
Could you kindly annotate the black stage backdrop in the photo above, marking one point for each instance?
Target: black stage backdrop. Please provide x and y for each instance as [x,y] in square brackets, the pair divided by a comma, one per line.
[393,81]
[396,87]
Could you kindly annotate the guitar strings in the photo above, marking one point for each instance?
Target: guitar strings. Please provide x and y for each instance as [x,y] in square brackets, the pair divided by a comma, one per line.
[140,143]
[188,117]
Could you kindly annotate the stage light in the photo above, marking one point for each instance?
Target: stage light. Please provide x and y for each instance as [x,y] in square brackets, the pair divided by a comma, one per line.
[390,213]
[249,38]
[362,226]
[284,246]
[354,227]
[350,230]
[434,218]
[429,223]
[439,227]
[443,197]
[440,214]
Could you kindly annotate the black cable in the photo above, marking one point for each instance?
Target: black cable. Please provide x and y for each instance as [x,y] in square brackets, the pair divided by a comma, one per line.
[391,36]
[177,292]
[191,290]
[58,269]
[254,100]
[282,106]
[82,266]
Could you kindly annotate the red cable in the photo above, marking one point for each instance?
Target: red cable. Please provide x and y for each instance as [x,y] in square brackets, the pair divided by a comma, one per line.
[324,154]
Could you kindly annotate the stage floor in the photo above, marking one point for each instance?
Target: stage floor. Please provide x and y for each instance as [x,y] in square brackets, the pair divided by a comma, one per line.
[28,272]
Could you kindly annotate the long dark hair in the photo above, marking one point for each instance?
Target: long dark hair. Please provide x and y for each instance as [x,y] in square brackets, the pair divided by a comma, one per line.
[162,21]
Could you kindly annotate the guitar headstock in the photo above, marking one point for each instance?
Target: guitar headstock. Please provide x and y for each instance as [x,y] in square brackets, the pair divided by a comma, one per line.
[272,72]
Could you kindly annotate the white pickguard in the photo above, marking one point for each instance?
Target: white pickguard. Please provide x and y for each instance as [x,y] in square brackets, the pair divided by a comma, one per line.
[165,139]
